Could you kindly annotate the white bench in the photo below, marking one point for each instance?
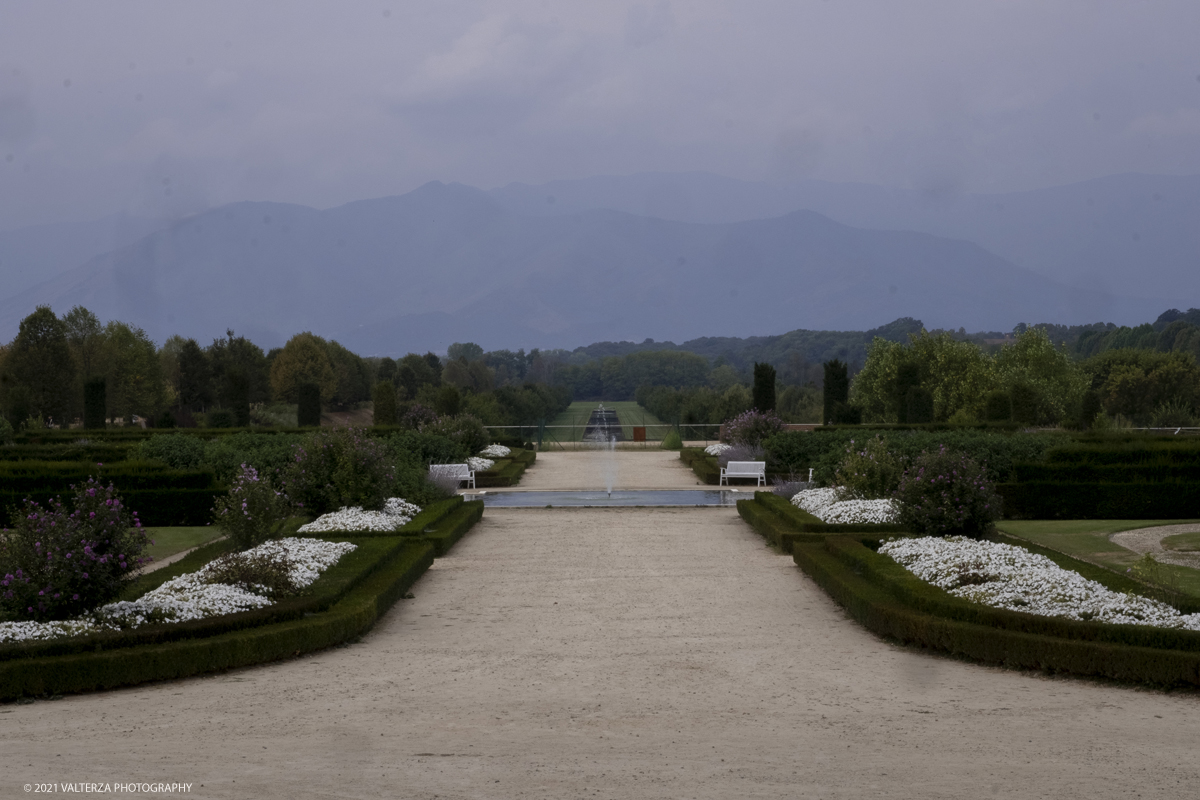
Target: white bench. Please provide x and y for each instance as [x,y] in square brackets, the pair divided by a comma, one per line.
[459,472]
[745,469]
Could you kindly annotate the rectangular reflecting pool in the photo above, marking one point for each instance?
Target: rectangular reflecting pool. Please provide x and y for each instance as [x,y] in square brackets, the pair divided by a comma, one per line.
[679,497]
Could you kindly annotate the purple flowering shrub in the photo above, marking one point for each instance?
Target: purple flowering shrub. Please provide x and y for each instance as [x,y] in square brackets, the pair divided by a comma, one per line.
[751,427]
[338,467]
[946,493]
[254,510]
[56,564]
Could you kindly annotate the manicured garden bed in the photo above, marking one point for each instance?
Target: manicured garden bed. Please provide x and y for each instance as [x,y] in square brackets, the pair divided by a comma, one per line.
[506,471]
[343,604]
[891,601]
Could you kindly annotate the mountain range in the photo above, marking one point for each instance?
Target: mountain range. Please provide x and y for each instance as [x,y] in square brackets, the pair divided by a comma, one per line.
[664,256]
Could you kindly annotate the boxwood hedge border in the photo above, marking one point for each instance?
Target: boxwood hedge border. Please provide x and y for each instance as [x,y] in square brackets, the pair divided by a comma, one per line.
[891,602]
[341,608]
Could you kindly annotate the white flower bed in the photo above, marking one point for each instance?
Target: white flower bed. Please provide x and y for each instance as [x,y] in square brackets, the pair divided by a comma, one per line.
[396,513]
[1004,576]
[187,597]
[825,506]
[717,449]
[495,451]
[480,464]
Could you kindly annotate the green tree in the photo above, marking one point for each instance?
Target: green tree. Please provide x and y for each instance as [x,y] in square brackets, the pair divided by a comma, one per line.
[40,372]
[467,351]
[304,359]
[764,387]
[384,399]
[837,389]
[1058,382]
[134,372]
[195,376]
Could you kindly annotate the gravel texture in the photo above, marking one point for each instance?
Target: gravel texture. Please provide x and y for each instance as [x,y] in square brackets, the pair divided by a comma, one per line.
[1149,540]
[616,653]
[588,470]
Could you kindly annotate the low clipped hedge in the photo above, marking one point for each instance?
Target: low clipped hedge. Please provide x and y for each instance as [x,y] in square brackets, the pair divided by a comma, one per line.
[91,452]
[344,603]
[155,507]
[704,465]
[890,601]
[506,471]
[1157,471]
[782,523]
[350,617]
[1083,500]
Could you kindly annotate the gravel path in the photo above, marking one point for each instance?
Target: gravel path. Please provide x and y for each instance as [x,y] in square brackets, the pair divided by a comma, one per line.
[616,653]
[590,470]
[1149,540]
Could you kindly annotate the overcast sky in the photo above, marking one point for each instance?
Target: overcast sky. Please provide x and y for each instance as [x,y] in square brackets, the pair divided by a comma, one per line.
[166,108]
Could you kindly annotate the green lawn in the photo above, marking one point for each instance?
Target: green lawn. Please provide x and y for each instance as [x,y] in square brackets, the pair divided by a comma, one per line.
[1088,540]
[169,541]
[1182,542]
[570,424]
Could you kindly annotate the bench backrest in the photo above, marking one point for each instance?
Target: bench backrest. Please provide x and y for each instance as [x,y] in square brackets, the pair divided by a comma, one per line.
[746,468]
[451,470]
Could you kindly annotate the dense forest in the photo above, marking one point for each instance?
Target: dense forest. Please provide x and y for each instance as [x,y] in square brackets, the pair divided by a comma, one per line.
[1040,374]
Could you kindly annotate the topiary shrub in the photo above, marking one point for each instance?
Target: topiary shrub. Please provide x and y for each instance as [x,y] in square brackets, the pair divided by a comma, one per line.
[6,431]
[254,510]
[463,429]
[221,418]
[997,407]
[56,564]
[871,472]
[751,427]
[1026,403]
[919,402]
[764,387]
[672,441]
[837,389]
[308,410]
[946,493]
[176,450]
[384,401]
[95,403]
[339,467]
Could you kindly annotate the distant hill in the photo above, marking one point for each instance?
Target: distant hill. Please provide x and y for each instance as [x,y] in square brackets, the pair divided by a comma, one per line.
[449,263]
[1129,235]
[33,255]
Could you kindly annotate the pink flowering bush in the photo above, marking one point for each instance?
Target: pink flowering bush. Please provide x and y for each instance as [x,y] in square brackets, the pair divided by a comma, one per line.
[56,564]
[338,467]
[254,510]
[947,493]
[751,427]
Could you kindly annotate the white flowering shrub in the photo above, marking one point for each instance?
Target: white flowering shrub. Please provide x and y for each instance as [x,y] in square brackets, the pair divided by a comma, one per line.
[1005,576]
[825,506]
[495,451]
[396,513]
[480,464]
[191,596]
[716,449]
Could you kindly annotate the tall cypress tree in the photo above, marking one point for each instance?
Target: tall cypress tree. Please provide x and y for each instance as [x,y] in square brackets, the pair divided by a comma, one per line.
[95,403]
[837,390]
[308,411]
[764,387]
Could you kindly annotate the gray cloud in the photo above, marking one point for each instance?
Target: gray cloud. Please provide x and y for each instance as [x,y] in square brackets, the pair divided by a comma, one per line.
[321,103]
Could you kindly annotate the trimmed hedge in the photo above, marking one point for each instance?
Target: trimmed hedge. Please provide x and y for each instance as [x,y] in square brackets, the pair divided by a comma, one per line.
[1156,471]
[333,584]
[19,477]
[345,602]
[91,452]
[782,524]
[155,507]
[506,471]
[1061,500]
[350,617]
[900,606]
[704,465]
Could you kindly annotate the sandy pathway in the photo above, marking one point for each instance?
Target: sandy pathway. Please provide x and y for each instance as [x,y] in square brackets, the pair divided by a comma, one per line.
[590,470]
[1149,540]
[624,653]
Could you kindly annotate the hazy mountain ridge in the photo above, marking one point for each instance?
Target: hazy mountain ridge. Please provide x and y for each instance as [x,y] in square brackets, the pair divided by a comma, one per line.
[1106,234]
[451,263]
